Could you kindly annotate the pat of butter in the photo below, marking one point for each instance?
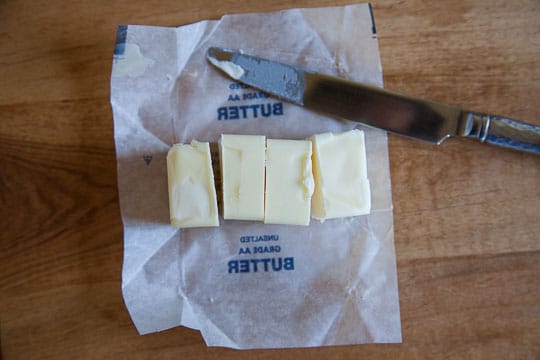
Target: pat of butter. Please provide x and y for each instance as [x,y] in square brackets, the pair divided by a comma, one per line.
[233,70]
[192,193]
[289,182]
[242,172]
[340,171]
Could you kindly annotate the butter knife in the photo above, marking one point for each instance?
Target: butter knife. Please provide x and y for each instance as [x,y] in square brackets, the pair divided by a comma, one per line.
[405,115]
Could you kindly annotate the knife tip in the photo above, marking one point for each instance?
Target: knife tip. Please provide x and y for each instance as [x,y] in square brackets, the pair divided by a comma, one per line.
[219,53]
[223,60]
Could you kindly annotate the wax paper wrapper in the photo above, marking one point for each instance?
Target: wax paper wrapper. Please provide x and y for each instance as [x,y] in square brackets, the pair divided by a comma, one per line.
[328,283]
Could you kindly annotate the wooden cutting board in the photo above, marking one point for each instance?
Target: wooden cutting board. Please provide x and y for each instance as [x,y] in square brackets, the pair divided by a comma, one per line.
[466,215]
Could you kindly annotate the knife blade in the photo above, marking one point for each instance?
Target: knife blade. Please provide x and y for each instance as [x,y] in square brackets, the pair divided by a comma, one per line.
[416,118]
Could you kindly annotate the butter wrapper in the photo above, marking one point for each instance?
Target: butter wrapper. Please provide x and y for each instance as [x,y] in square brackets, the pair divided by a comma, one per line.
[246,284]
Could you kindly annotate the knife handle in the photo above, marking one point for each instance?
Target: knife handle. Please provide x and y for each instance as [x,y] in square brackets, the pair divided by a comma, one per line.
[503,132]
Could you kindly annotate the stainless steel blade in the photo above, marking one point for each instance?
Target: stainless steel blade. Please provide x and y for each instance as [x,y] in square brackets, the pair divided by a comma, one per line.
[401,114]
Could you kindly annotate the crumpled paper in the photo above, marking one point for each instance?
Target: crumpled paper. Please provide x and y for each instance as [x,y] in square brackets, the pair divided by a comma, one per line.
[329,283]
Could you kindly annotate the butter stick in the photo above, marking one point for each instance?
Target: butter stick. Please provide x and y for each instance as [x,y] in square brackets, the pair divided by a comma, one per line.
[242,159]
[342,187]
[289,182]
[192,193]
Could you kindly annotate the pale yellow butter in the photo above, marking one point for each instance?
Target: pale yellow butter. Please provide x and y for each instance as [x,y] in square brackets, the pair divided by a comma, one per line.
[340,170]
[289,182]
[242,173]
[192,193]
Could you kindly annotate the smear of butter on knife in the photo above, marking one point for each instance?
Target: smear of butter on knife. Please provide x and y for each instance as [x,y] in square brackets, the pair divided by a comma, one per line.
[233,70]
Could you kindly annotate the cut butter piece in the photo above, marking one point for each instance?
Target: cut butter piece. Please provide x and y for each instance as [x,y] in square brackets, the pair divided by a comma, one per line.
[340,171]
[192,193]
[289,182]
[242,160]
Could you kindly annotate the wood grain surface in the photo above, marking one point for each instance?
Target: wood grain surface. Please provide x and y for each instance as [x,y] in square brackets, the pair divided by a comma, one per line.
[467,215]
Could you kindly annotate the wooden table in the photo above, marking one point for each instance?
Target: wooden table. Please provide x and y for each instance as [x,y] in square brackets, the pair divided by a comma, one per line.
[467,216]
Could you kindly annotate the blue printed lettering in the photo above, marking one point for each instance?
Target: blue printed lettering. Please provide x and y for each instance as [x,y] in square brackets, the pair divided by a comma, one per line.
[233,266]
[244,250]
[278,108]
[258,265]
[233,113]
[265,261]
[222,113]
[257,238]
[276,267]
[288,263]
[266,111]
[255,95]
[249,111]
[244,239]
[254,107]
[244,265]
[237,86]
[243,108]
[266,249]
